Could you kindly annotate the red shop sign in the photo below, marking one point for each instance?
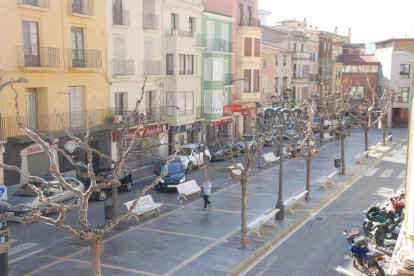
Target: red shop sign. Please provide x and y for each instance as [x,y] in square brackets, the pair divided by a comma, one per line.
[231,108]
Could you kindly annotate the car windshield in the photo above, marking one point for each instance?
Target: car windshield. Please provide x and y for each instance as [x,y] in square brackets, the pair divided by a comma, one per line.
[25,190]
[248,138]
[173,167]
[184,151]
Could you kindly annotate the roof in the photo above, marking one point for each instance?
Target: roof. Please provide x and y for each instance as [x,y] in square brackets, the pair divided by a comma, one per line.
[358,59]
[353,45]
[395,39]
[272,46]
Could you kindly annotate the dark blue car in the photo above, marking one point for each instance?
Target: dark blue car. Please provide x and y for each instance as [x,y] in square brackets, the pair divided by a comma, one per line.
[172,174]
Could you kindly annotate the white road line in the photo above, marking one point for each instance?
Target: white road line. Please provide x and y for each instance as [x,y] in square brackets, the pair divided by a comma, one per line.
[20,248]
[387,173]
[371,172]
[27,255]
[343,271]
[401,175]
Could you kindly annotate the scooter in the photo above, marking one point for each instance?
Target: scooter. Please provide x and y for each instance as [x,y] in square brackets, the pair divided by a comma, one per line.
[376,214]
[396,204]
[384,236]
[364,260]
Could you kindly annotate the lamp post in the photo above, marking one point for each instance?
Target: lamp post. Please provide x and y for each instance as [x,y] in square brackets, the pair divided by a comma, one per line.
[283,115]
[10,82]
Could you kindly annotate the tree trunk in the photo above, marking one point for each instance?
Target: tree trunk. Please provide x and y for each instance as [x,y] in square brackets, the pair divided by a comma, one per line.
[96,252]
[244,213]
[114,201]
[343,154]
[366,130]
[308,174]
[384,129]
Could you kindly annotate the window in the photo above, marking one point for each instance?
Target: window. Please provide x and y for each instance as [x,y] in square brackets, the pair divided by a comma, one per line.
[240,11]
[250,15]
[174,21]
[185,102]
[182,64]
[170,103]
[192,25]
[170,64]
[78,55]
[247,47]
[190,64]
[404,71]
[294,71]
[31,108]
[301,48]
[276,59]
[247,81]
[257,47]
[256,74]
[121,104]
[284,60]
[403,94]
[151,103]
[207,69]
[294,47]
[76,106]
[357,92]
[284,84]
[276,85]
[218,71]
[31,43]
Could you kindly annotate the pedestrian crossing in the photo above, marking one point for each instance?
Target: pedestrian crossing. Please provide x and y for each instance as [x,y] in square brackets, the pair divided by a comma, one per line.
[386,173]
[22,251]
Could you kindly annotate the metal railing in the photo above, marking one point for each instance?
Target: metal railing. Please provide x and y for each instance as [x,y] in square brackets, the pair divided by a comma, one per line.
[315,77]
[81,7]
[44,4]
[54,122]
[120,17]
[151,67]
[228,79]
[35,56]
[150,21]
[301,55]
[185,34]
[246,21]
[219,45]
[193,2]
[201,41]
[123,67]
[86,58]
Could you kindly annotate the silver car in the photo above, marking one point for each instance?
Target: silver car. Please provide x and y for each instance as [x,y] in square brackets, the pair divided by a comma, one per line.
[53,192]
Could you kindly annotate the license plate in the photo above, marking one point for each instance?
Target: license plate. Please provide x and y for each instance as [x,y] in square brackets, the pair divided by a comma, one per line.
[381,263]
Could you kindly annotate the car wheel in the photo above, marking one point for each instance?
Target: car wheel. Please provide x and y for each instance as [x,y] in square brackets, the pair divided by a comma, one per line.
[189,167]
[128,187]
[102,195]
[252,148]
[158,186]
[76,201]
[39,213]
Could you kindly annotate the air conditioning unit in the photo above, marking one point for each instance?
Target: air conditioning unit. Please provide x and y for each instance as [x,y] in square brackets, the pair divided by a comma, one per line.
[118,118]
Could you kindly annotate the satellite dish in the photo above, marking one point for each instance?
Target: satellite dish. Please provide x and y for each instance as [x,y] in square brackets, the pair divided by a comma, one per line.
[70,146]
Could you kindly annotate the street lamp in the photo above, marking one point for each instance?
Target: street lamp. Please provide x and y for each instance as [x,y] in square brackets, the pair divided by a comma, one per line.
[283,114]
[19,80]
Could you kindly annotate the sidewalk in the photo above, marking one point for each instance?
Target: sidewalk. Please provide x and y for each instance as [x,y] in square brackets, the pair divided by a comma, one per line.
[184,240]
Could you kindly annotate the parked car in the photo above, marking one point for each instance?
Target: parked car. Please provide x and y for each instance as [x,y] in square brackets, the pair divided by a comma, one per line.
[53,192]
[192,155]
[224,149]
[251,142]
[172,173]
[106,175]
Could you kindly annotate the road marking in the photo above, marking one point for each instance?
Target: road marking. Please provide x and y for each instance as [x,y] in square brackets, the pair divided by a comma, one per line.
[401,175]
[20,248]
[371,172]
[12,241]
[387,173]
[343,271]
[26,256]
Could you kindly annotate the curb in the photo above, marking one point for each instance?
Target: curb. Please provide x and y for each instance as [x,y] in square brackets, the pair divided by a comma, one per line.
[305,214]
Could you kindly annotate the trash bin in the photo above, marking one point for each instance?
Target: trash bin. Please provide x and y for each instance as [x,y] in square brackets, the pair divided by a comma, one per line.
[108,212]
[337,163]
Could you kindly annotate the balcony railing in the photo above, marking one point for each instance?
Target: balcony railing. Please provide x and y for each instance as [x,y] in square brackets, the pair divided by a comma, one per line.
[84,7]
[193,2]
[44,4]
[120,17]
[228,79]
[306,56]
[185,34]
[315,77]
[84,58]
[219,45]
[201,41]
[53,122]
[246,21]
[35,56]
[150,21]
[123,67]
[152,67]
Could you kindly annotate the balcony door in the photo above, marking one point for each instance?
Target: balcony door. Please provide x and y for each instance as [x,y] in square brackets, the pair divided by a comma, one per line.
[31,108]
[77,6]
[78,51]
[120,63]
[76,105]
[31,43]
[210,35]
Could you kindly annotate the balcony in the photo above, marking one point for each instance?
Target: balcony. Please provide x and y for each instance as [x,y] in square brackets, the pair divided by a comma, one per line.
[150,21]
[201,41]
[228,79]
[120,17]
[249,21]
[43,4]
[192,2]
[84,58]
[123,67]
[315,77]
[53,122]
[35,56]
[219,45]
[151,67]
[84,7]
[306,56]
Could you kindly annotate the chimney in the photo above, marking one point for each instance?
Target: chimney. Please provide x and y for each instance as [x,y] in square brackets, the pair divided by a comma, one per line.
[336,29]
[349,35]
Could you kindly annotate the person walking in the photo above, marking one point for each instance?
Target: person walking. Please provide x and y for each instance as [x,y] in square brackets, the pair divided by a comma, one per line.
[206,189]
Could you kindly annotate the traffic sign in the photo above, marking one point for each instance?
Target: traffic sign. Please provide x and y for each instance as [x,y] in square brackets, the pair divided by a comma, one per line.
[3,192]
[141,129]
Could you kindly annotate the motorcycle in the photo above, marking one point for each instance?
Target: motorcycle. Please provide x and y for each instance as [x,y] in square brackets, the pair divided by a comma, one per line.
[396,204]
[376,214]
[362,258]
[384,235]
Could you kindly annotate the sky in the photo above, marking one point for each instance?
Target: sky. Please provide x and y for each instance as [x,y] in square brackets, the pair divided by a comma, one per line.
[369,20]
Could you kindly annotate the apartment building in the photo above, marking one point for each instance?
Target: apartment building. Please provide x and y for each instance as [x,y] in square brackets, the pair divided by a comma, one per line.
[181,26]
[60,47]
[396,57]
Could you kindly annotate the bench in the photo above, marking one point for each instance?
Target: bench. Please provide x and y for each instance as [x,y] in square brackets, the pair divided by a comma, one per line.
[327,180]
[255,224]
[361,157]
[327,137]
[187,188]
[292,201]
[270,158]
[145,204]
[286,153]
[235,170]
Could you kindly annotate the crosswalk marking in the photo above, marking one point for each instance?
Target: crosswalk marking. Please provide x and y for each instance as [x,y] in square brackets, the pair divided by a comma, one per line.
[401,175]
[21,247]
[25,256]
[371,172]
[387,173]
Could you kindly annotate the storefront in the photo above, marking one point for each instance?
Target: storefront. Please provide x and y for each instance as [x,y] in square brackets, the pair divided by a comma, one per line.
[185,134]
[244,117]
[221,129]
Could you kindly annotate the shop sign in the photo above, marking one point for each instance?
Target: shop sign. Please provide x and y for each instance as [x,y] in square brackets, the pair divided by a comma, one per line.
[223,121]
[231,108]
[249,111]
[143,131]
[36,148]
[187,127]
